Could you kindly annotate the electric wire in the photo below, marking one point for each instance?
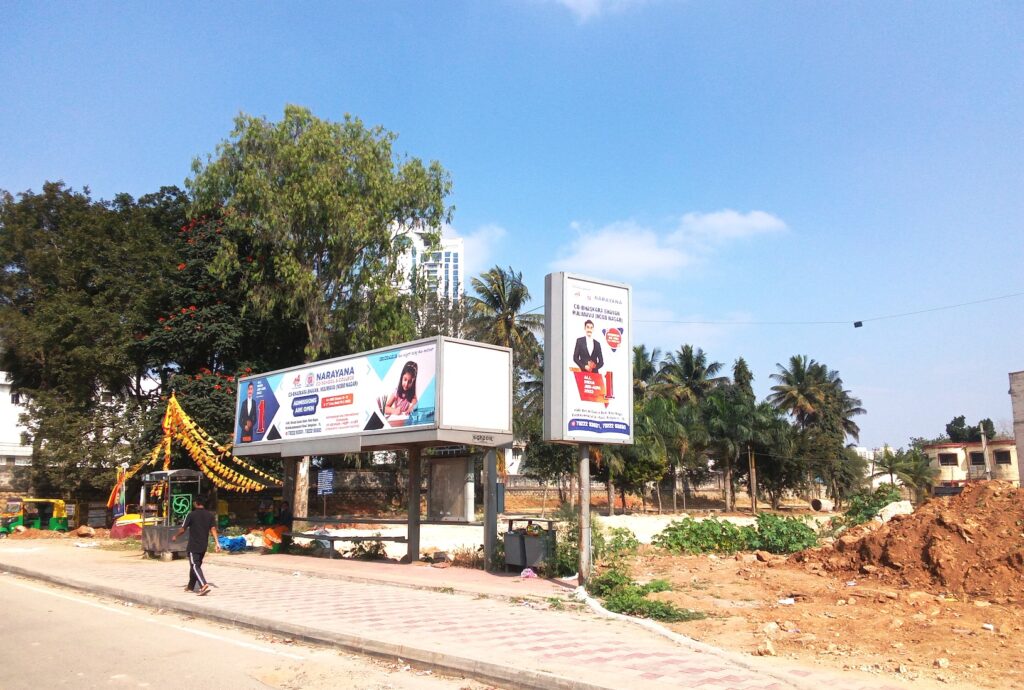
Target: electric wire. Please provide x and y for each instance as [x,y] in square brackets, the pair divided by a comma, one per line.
[844,322]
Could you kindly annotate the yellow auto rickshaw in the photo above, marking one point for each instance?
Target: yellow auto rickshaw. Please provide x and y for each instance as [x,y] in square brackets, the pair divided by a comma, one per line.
[34,513]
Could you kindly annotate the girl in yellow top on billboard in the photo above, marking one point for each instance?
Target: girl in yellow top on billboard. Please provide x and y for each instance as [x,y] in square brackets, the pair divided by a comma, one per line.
[402,401]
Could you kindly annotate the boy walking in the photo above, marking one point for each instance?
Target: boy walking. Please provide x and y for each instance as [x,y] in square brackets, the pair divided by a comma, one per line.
[200,523]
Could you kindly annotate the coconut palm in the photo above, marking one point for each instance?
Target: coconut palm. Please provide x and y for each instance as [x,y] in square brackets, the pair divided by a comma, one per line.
[645,369]
[734,423]
[687,376]
[495,315]
[800,391]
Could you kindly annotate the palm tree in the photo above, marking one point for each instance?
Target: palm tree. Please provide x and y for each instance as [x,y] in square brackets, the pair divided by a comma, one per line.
[495,315]
[801,389]
[849,407]
[919,473]
[645,369]
[734,425]
[686,376]
[912,467]
[889,463]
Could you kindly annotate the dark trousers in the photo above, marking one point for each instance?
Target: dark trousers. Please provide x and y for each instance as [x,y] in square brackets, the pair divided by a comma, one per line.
[195,569]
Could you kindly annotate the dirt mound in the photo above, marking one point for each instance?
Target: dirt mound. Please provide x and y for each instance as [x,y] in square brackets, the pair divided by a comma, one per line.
[32,533]
[971,544]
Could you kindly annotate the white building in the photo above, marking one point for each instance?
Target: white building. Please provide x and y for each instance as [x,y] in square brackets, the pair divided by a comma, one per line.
[14,447]
[442,269]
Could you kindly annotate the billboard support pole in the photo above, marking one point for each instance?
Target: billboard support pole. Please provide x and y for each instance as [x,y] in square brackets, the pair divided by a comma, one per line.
[490,507]
[584,570]
[413,533]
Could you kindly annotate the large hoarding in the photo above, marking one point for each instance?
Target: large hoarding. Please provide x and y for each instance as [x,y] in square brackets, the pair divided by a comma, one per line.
[588,373]
[334,405]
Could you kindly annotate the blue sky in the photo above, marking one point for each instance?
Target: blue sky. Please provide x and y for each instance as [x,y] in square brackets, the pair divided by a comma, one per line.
[740,164]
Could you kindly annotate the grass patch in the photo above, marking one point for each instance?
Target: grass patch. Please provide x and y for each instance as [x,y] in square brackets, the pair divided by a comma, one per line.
[621,594]
[129,544]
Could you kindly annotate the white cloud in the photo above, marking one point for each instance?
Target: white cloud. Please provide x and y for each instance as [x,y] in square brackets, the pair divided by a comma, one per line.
[725,225]
[621,250]
[588,9]
[480,246]
[629,250]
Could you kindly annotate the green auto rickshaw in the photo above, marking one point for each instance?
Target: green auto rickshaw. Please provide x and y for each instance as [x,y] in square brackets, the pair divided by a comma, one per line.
[34,513]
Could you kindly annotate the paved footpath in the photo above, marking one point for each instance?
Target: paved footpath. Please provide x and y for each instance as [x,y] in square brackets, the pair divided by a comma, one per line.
[494,628]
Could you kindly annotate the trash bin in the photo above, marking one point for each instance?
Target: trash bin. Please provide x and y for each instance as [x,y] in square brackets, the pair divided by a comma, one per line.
[529,546]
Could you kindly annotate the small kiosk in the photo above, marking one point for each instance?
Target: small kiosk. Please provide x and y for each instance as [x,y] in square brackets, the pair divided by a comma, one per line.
[173,493]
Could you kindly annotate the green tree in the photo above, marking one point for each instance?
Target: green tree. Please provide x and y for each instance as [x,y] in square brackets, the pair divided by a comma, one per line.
[911,467]
[495,315]
[77,279]
[645,370]
[743,378]
[960,432]
[735,424]
[198,340]
[800,391]
[824,415]
[919,473]
[324,210]
[687,376]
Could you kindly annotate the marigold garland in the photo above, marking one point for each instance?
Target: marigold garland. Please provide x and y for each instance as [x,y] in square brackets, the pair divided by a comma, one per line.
[210,456]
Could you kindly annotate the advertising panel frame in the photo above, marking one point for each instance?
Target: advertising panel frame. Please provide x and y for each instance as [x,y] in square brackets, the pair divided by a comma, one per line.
[568,391]
[436,431]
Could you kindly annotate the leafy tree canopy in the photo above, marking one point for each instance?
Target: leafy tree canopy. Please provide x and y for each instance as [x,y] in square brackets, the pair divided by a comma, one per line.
[960,432]
[323,209]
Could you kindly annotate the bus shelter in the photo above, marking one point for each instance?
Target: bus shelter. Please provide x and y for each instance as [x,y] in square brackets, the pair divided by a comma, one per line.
[413,396]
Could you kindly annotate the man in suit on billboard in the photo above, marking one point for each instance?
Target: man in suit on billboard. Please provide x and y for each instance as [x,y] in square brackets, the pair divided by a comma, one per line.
[587,354]
[247,415]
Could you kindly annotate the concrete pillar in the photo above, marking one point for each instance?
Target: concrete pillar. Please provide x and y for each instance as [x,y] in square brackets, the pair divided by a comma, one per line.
[585,564]
[1017,400]
[413,533]
[490,508]
[470,495]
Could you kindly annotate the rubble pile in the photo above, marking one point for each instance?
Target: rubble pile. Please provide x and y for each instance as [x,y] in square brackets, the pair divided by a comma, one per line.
[967,545]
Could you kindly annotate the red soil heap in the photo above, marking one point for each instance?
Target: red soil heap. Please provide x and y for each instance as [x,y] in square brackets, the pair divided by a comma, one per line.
[971,544]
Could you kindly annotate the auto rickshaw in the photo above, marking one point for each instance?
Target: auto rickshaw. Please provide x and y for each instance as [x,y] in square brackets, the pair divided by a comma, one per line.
[34,513]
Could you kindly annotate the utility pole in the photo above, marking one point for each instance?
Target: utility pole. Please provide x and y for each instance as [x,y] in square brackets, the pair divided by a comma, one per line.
[585,564]
[984,451]
[753,480]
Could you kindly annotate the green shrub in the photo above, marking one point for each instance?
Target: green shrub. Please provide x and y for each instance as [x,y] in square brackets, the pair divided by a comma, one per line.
[772,533]
[620,543]
[566,559]
[704,536]
[784,534]
[369,550]
[621,594]
[632,600]
[657,586]
[865,505]
[608,581]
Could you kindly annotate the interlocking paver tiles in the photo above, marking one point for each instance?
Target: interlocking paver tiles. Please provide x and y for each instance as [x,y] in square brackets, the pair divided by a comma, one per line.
[491,627]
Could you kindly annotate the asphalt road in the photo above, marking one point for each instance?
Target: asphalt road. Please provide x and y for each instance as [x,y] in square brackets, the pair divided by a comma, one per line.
[56,638]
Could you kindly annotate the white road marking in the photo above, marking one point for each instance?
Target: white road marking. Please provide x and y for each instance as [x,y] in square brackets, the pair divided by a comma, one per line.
[130,614]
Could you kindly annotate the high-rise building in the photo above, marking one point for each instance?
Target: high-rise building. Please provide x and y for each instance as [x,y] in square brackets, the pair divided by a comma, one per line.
[442,269]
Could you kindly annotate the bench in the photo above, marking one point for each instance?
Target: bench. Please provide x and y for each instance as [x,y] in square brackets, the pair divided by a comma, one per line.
[332,538]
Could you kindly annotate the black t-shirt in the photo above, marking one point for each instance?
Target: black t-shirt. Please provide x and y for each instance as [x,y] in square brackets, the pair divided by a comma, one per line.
[198,524]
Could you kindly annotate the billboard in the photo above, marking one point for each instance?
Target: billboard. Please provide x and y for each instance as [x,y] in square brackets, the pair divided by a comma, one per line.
[333,405]
[588,373]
